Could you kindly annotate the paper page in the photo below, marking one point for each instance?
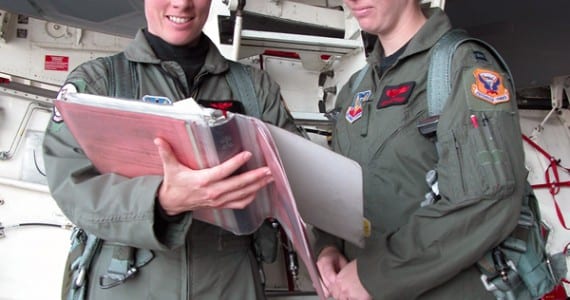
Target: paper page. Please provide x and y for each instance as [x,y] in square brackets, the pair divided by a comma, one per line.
[189,105]
[285,210]
[327,186]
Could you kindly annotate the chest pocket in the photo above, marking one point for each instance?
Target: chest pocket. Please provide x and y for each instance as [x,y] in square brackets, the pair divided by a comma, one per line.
[379,128]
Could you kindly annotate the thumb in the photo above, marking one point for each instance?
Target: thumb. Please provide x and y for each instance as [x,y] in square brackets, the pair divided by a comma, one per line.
[165,152]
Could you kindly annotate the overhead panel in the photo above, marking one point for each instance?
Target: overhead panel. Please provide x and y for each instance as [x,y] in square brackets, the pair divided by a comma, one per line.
[107,16]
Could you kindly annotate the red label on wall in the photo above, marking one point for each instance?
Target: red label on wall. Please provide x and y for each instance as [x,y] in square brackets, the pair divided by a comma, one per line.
[56,63]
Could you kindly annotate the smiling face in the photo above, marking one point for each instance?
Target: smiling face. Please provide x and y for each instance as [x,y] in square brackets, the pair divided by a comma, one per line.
[380,16]
[178,22]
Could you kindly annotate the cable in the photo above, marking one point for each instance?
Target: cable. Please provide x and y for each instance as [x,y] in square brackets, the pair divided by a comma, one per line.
[63,226]
[37,165]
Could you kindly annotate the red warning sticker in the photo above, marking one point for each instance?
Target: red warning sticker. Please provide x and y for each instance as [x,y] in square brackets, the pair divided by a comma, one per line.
[56,63]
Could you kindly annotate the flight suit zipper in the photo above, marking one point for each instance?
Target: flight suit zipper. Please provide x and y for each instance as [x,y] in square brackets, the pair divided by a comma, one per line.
[181,88]
[395,132]
[459,160]
[196,85]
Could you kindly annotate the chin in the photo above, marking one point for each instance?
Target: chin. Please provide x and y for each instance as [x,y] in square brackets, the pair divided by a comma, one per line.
[179,41]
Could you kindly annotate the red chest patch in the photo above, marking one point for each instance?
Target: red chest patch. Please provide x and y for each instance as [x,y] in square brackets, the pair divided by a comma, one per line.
[396,95]
[224,106]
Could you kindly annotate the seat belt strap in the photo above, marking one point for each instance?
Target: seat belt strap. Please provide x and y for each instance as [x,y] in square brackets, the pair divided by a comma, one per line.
[121,71]
[241,84]
[499,275]
[126,260]
[439,72]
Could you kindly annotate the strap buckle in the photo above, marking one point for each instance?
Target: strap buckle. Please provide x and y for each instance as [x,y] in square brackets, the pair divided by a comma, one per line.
[501,285]
[113,279]
[428,126]
[125,263]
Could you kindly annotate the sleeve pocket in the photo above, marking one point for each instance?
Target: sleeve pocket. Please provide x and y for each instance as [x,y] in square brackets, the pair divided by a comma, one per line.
[473,163]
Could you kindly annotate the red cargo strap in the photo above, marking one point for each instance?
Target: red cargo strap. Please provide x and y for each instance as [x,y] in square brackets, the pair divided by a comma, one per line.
[553,186]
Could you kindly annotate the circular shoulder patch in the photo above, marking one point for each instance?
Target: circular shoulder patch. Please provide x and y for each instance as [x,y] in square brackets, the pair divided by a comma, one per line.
[66,88]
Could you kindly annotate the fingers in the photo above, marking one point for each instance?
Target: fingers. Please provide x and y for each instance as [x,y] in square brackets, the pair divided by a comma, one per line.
[326,264]
[228,167]
[217,187]
[328,275]
[342,262]
[239,191]
[325,289]
[225,169]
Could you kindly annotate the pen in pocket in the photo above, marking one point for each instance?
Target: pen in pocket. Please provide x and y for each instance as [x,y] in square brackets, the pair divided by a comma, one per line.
[487,131]
[474,121]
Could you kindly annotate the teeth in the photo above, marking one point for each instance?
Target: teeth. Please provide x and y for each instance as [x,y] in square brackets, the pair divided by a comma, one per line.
[178,20]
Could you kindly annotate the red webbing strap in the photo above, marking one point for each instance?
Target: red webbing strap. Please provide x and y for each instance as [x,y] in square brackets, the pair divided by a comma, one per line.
[553,186]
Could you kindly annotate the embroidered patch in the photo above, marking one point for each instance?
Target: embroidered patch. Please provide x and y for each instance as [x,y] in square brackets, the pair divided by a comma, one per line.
[225,106]
[354,112]
[66,88]
[489,86]
[156,99]
[396,94]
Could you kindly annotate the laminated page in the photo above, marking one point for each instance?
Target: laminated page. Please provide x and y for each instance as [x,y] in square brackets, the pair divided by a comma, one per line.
[274,201]
[224,138]
[121,142]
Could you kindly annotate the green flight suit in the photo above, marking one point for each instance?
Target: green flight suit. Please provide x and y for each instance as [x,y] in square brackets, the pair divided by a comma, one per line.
[430,252]
[193,260]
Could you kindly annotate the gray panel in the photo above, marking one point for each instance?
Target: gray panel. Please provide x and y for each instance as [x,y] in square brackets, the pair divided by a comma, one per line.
[98,11]
[533,36]
[108,16]
[20,6]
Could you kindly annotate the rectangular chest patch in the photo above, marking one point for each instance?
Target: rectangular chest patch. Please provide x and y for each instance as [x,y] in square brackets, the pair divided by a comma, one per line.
[225,106]
[396,94]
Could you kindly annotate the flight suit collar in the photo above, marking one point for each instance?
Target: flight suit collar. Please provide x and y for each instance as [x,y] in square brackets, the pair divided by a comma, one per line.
[140,51]
[436,25]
